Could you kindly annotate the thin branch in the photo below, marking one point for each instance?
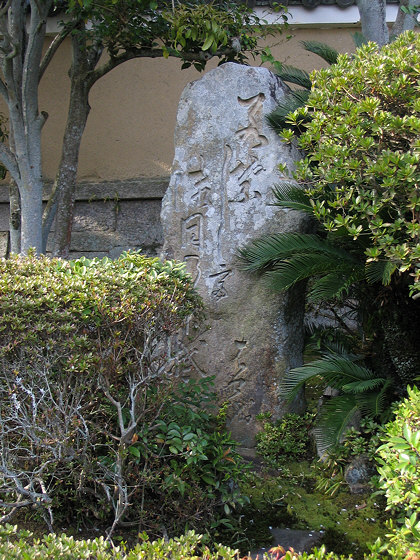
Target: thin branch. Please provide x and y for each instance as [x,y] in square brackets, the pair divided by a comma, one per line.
[3,91]
[7,158]
[144,52]
[54,45]
[5,8]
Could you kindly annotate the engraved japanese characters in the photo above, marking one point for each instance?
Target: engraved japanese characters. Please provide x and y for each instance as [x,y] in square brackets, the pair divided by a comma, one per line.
[224,169]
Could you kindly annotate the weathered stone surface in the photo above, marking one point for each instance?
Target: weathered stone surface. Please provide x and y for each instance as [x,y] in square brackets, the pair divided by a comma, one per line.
[91,241]
[138,225]
[4,217]
[219,198]
[358,474]
[3,243]
[95,216]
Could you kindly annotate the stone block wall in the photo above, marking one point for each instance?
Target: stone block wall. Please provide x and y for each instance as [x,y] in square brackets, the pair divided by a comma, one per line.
[110,217]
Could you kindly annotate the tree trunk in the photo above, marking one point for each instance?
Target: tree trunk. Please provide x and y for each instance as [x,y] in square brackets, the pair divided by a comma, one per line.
[14,218]
[63,196]
[65,182]
[404,21]
[373,18]
[23,33]
[31,208]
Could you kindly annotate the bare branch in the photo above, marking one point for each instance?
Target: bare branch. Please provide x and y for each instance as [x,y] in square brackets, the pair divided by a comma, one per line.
[52,49]
[8,159]
[130,54]
[4,9]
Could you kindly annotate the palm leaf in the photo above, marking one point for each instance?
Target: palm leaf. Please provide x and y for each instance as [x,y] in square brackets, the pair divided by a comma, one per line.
[329,54]
[364,385]
[267,251]
[337,371]
[374,404]
[294,75]
[277,119]
[334,419]
[359,39]
[380,271]
[288,195]
[337,283]
[301,266]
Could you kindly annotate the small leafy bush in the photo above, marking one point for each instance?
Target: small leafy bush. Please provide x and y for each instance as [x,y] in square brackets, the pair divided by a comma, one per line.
[361,441]
[362,167]
[399,469]
[285,440]
[97,425]
[21,545]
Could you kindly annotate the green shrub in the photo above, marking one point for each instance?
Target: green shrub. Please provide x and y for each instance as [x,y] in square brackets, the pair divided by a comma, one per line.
[399,469]
[362,167]
[21,545]
[285,440]
[97,425]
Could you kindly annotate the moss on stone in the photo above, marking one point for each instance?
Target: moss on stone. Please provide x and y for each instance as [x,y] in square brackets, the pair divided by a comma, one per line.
[289,500]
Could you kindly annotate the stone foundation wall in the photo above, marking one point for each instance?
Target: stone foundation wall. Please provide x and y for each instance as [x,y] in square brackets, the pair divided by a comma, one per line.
[110,217]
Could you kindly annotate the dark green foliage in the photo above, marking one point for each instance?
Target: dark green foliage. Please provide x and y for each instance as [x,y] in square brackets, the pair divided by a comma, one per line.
[295,99]
[97,425]
[360,390]
[278,119]
[359,179]
[326,52]
[363,140]
[399,469]
[285,440]
[294,75]
[191,31]
[362,441]
[289,195]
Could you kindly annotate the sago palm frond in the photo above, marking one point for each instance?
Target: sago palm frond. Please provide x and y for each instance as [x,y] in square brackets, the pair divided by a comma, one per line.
[294,75]
[288,195]
[375,403]
[334,419]
[288,258]
[380,271]
[277,119]
[326,52]
[268,251]
[364,385]
[335,370]
[359,39]
[361,392]
[304,265]
[336,283]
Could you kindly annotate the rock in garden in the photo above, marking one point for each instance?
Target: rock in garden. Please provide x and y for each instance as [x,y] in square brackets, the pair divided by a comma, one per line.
[225,166]
[358,474]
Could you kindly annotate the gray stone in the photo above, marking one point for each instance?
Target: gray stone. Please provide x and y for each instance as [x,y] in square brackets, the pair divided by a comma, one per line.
[358,474]
[138,225]
[297,539]
[87,254]
[4,243]
[95,216]
[4,217]
[219,197]
[91,241]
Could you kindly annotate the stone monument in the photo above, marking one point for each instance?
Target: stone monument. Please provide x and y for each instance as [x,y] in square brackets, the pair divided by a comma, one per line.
[225,166]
